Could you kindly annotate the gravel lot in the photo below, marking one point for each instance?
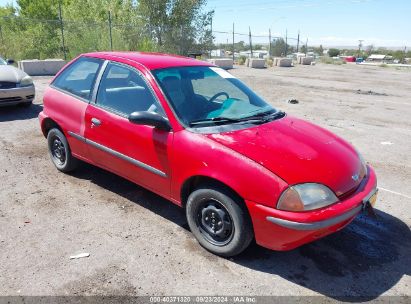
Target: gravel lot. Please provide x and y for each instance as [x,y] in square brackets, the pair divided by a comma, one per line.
[139,243]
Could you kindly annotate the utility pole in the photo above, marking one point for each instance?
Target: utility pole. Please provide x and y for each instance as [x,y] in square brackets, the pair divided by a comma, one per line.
[62,31]
[111,35]
[306,47]
[251,43]
[298,41]
[286,42]
[212,37]
[269,37]
[233,43]
[359,47]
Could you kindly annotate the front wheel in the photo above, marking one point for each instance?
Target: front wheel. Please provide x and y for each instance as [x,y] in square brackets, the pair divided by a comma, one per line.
[218,221]
[60,152]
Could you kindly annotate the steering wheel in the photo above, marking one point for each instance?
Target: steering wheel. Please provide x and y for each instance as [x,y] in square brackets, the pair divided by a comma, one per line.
[218,95]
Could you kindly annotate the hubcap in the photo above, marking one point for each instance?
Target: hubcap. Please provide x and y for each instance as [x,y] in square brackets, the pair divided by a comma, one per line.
[58,151]
[215,223]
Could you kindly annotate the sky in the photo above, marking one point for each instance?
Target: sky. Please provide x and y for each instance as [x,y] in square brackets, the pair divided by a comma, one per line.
[382,23]
[327,22]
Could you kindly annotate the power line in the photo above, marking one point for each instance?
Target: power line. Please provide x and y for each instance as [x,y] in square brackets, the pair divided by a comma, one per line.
[282,4]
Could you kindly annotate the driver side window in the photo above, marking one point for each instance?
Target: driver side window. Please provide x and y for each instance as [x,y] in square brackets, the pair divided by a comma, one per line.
[124,91]
[211,85]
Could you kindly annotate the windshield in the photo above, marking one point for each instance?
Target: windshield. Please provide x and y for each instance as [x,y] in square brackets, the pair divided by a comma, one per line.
[200,95]
[2,61]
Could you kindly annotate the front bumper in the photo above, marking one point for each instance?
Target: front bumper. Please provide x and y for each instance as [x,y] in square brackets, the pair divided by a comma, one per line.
[284,230]
[15,96]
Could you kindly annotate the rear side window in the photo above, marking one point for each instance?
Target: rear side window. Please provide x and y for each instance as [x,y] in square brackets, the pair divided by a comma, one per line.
[124,91]
[79,78]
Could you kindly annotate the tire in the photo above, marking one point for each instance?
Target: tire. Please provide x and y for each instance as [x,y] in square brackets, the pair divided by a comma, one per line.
[26,104]
[205,208]
[59,151]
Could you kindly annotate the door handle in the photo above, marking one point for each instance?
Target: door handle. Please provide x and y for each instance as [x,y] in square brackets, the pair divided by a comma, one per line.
[95,122]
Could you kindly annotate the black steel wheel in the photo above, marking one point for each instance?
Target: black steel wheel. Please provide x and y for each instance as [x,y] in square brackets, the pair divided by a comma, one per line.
[60,152]
[219,220]
[215,223]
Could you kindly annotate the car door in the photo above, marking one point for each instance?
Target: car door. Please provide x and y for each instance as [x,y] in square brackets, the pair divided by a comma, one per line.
[68,98]
[139,153]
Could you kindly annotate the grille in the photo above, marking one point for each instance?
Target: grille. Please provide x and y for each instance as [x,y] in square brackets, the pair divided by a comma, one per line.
[7,85]
[9,99]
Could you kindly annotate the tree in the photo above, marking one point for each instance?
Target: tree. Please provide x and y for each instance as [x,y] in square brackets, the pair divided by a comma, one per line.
[370,49]
[278,47]
[303,49]
[177,26]
[238,46]
[35,29]
[258,47]
[87,28]
[333,52]
[40,39]
[6,13]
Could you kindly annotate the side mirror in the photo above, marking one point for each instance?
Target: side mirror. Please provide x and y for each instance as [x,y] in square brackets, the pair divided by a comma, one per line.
[150,119]
[10,61]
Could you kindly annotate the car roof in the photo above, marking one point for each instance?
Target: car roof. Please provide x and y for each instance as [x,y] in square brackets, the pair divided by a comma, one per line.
[151,61]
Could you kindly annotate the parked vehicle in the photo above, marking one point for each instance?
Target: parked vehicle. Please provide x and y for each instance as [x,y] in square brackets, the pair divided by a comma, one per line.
[198,136]
[350,59]
[16,87]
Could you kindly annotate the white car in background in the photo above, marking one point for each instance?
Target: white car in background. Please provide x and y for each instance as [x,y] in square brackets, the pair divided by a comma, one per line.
[16,87]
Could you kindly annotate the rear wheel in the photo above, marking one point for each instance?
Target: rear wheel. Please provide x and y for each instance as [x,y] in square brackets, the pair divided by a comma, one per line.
[60,152]
[218,221]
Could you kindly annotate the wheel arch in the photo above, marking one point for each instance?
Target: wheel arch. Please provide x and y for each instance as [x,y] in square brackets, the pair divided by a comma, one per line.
[201,180]
[48,124]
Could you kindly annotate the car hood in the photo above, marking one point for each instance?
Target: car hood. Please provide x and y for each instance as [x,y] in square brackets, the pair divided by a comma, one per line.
[298,152]
[9,73]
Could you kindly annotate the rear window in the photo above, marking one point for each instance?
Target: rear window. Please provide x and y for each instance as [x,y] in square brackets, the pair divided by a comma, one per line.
[79,78]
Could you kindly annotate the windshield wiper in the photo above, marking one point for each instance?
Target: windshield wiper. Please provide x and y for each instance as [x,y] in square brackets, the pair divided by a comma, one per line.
[214,120]
[261,117]
[267,115]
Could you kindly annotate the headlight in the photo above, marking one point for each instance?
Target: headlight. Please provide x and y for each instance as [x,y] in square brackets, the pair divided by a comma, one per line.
[304,197]
[363,170]
[26,81]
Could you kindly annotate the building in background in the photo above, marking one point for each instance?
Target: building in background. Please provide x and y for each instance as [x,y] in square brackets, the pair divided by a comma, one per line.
[380,58]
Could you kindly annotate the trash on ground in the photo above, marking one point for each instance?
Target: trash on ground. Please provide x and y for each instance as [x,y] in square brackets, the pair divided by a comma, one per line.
[386,143]
[80,255]
[370,93]
[293,101]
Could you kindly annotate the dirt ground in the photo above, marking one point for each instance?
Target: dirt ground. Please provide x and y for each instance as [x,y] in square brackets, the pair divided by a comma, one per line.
[139,243]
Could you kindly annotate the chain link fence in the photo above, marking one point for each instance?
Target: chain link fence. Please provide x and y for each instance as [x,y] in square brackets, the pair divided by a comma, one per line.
[24,38]
[236,45]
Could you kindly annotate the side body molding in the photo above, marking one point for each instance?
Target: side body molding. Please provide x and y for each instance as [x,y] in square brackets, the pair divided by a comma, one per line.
[118,154]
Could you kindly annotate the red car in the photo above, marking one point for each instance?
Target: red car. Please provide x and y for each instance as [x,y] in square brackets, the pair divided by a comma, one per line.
[196,135]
